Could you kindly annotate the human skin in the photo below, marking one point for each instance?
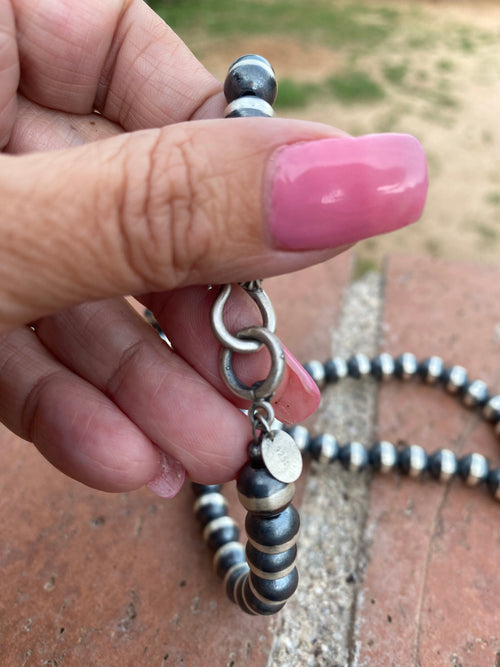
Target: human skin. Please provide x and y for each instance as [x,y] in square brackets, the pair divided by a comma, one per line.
[118,176]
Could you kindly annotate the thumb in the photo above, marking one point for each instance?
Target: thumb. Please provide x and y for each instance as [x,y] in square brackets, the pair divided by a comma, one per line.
[200,202]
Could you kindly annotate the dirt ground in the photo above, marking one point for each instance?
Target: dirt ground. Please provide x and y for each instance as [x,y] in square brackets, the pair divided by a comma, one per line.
[449,98]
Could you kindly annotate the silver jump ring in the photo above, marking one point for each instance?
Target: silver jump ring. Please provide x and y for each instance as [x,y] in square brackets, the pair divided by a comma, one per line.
[228,340]
[264,388]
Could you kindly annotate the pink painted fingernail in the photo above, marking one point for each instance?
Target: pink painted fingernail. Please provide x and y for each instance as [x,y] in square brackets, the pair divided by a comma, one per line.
[168,482]
[333,192]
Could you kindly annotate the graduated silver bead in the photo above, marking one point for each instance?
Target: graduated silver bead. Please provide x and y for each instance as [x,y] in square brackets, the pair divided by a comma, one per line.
[317,371]
[434,367]
[491,410]
[408,366]
[301,436]
[324,448]
[456,380]
[448,465]
[388,456]
[475,393]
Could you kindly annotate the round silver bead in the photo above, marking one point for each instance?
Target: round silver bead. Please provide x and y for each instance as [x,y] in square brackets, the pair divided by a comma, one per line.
[235,574]
[383,366]
[246,107]
[455,379]
[443,465]
[476,394]
[353,456]
[383,456]
[301,436]
[335,369]
[359,366]
[473,469]
[219,531]
[493,482]
[412,460]
[324,448]
[251,75]
[227,556]
[431,370]
[317,371]
[491,410]
[210,506]
[406,366]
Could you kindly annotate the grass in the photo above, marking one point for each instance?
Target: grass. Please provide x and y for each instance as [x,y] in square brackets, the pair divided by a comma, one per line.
[395,72]
[355,23]
[293,94]
[355,86]
[493,198]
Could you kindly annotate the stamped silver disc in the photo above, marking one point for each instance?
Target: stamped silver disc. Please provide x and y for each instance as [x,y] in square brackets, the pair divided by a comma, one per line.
[281,456]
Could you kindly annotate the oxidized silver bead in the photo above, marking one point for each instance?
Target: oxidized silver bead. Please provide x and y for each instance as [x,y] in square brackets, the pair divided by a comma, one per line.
[247,107]
[406,366]
[476,394]
[493,482]
[301,436]
[274,534]
[473,469]
[260,493]
[274,590]
[353,456]
[251,75]
[256,605]
[227,556]
[412,460]
[271,566]
[200,489]
[442,465]
[359,366]
[431,370]
[383,366]
[455,379]
[317,371]
[235,575]
[210,506]
[219,531]
[383,456]
[335,369]
[324,448]
[491,410]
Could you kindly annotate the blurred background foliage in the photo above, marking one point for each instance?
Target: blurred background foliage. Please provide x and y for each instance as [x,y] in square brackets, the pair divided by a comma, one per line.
[428,68]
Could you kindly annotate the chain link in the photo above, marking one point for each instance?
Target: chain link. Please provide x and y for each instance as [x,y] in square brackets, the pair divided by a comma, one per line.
[247,341]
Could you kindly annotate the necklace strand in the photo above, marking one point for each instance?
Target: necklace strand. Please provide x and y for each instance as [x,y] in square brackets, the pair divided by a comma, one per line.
[221,532]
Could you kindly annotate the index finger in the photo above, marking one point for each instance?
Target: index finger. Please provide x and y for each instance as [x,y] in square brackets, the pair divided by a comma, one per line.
[116,56]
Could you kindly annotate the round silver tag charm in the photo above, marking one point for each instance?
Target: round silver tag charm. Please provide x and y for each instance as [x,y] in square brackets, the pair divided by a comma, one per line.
[281,456]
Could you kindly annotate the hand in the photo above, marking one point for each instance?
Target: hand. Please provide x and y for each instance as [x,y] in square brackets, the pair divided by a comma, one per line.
[112,193]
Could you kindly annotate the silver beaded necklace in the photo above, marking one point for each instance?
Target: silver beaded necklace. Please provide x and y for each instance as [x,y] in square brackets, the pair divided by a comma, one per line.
[262,576]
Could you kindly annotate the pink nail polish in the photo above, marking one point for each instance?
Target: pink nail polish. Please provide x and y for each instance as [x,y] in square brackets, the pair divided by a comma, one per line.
[168,482]
[332,192]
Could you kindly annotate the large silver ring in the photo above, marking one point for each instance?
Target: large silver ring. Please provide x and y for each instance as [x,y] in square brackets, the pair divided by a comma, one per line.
[228,340]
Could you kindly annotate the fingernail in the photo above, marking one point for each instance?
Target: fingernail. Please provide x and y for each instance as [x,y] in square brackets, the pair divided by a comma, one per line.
[332,192]
[168,482]
[302,391]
